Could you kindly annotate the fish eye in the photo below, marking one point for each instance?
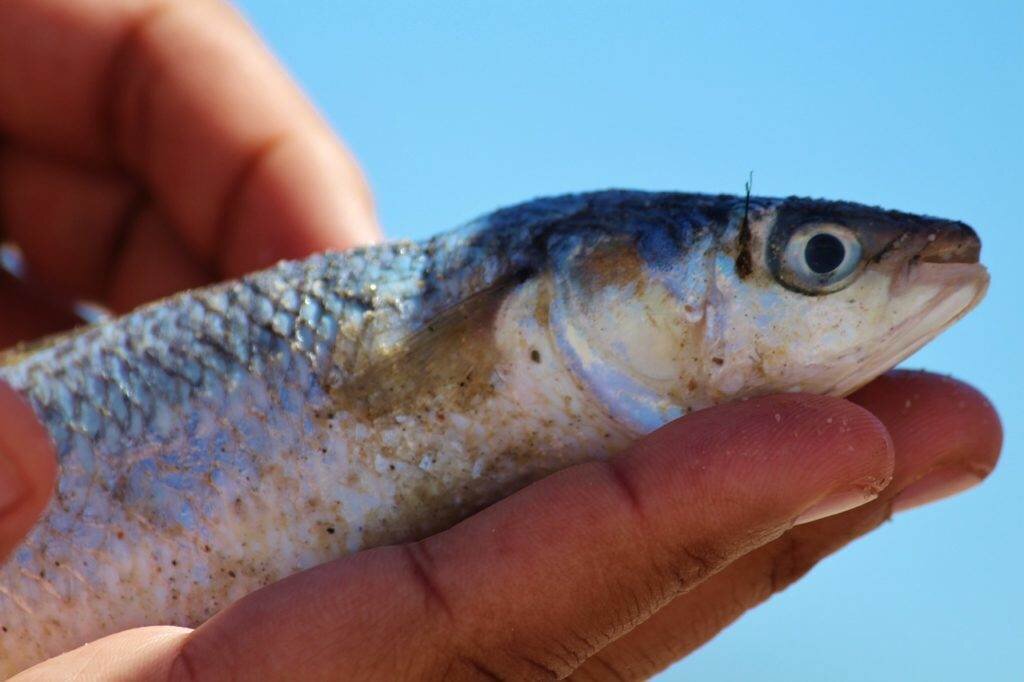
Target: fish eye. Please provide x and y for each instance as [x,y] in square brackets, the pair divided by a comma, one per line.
[824,253]
[821,258]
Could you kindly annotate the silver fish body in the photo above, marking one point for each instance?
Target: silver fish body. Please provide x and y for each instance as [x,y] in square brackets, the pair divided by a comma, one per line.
[222,439]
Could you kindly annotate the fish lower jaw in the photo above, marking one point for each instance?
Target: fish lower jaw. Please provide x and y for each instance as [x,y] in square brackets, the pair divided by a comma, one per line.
[951,303]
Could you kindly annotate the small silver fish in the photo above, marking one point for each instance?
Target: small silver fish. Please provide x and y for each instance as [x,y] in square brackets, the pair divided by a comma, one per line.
[222,439]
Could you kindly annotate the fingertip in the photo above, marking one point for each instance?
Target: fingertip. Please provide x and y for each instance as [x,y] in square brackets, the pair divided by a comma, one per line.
[812,442]
[839,423]
[28,468]
[144,653]
[935,420]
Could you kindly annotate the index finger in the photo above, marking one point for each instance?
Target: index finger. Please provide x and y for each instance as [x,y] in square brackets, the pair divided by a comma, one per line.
[184,96]
[535,584]
[937,425]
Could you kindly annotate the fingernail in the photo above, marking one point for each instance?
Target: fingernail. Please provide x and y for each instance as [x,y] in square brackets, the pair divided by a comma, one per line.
[13,487]
[935,486]
[837,503]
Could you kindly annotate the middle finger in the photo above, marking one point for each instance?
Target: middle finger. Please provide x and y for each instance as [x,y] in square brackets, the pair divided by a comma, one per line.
[937,424]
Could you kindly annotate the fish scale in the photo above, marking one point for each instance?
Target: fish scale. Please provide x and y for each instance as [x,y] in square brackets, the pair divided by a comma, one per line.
[221,439]
[130,408]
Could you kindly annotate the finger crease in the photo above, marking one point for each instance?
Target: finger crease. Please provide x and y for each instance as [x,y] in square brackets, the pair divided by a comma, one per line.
[611,672]
[183,668]
[573,655]
[478,667]
[544,670]
[695,569]
[227,220]
[125,109]
[120,238]
[421,567]
[624,483]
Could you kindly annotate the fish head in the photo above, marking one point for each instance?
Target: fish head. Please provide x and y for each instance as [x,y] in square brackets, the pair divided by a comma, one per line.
[831,294]
[688,301]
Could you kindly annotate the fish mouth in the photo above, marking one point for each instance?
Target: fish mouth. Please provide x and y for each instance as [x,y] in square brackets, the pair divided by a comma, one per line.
[961,286]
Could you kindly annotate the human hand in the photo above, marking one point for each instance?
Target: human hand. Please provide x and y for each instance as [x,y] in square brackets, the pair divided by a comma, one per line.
[606,570]
[147,147]
[151,147]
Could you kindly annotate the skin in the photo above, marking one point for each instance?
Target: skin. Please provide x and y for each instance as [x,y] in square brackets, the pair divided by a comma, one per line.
[135,162]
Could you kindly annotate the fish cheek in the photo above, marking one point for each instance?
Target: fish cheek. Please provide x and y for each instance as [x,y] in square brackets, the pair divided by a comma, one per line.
[810,342]
[611,263]
[630,334]
[603,291]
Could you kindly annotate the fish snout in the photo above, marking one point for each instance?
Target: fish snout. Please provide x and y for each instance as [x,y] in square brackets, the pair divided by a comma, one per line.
[951,242]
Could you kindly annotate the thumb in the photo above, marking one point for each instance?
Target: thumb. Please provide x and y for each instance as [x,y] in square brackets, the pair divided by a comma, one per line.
[28,468]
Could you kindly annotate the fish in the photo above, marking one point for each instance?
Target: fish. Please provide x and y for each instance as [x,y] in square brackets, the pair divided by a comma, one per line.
[219,440]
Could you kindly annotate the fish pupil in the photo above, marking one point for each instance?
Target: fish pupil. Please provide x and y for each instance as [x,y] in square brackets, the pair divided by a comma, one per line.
[824,253]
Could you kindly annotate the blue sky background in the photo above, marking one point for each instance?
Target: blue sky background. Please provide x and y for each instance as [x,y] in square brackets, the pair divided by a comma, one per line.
[455,108]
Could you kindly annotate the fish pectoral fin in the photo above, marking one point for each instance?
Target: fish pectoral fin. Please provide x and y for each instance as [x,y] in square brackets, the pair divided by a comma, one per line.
[448,362]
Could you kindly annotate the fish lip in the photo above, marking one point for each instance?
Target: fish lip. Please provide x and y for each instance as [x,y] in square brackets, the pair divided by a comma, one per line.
[974,274]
